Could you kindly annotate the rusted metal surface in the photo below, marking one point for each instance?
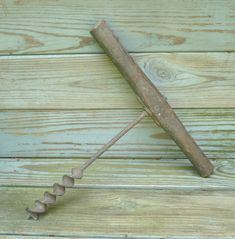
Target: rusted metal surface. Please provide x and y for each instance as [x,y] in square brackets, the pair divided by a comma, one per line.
[41,206]
[158,108]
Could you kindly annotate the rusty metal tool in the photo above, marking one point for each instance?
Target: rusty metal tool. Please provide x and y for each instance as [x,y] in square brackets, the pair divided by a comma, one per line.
[41,206]
[155,105]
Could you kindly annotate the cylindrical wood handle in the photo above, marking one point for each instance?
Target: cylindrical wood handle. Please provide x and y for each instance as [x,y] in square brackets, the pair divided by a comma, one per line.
[158,108]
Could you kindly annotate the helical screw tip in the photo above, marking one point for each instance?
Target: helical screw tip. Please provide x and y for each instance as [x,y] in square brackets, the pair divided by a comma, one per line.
[49,198]
[58,189]
[32,215]
[40,207]
[68,181]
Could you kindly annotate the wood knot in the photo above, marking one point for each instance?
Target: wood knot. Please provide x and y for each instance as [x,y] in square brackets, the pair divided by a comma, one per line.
[158,71]
[164,74]
[225,169]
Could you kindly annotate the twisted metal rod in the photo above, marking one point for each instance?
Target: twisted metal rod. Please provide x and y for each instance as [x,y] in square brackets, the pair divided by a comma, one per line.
[41,206]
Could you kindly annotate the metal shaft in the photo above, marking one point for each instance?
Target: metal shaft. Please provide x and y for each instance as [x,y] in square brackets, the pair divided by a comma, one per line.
[113,140]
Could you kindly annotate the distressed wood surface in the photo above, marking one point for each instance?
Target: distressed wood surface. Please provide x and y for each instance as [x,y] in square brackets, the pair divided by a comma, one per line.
[188,80]
[19,236]
[126,173]
[59,104]
[63,26]
[62,133]
[122,213]
[103,237]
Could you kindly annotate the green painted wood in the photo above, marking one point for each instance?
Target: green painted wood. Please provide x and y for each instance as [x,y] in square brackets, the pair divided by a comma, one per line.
[60,133]
[63,26]
[117,173]
[103,237]
[122,213]
[18,236]
[58,118]
[188,80]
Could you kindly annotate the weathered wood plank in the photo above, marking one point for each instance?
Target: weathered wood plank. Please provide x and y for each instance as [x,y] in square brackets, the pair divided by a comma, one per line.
[188,80]
[117,173]
[19,236]
[81,133]
[63,26]
[122,213]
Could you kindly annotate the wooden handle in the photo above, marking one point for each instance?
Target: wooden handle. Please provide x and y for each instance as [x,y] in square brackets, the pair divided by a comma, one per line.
[158,108]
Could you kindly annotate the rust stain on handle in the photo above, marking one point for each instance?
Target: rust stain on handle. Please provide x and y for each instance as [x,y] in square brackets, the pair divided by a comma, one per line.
[158,108]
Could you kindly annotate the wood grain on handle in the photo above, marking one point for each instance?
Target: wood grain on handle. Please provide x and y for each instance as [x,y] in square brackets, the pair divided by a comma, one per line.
[160,111]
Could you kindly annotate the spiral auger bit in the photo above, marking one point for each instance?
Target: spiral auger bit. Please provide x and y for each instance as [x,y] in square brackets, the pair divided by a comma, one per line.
[155,105]
[41,206]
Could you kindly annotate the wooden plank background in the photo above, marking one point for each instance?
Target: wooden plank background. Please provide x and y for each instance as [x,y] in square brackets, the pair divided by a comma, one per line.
[187,80]
[80,133]
[44,27]
[124,213]
[61,99]
[140,173]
